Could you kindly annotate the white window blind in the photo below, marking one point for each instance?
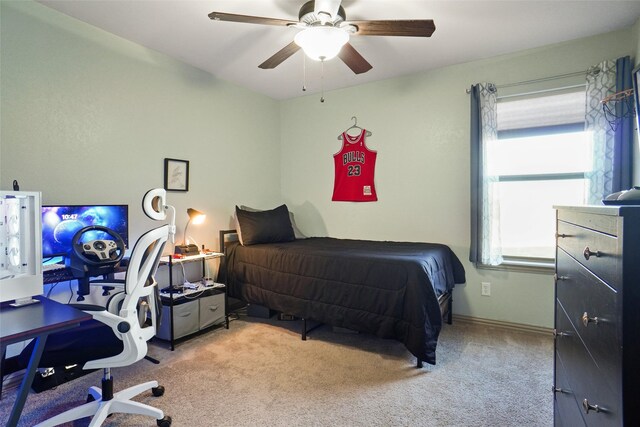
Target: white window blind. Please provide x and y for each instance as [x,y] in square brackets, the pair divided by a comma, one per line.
[539,159]
[543,111]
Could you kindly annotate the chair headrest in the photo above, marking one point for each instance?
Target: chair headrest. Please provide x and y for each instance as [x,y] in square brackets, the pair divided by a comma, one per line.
[154,204]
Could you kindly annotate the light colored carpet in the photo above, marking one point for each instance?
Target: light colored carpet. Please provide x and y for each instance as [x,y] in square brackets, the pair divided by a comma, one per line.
[259,372]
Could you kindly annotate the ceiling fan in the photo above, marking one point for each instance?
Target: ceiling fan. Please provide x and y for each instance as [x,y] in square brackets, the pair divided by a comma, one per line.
[325,32]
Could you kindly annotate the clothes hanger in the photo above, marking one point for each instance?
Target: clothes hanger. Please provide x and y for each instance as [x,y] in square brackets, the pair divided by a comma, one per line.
[354,126]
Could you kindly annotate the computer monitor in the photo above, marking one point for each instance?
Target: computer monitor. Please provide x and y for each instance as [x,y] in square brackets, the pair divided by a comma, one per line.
[61,222]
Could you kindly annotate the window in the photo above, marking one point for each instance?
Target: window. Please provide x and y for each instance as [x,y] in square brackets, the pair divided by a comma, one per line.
[539,159]
[532,151]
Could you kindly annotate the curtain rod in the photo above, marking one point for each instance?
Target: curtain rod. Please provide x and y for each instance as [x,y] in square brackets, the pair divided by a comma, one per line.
[535,92]
[591,70]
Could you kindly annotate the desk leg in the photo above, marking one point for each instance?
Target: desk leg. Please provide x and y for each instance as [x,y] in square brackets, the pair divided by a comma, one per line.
[171,302]
[27,380]
[3,353]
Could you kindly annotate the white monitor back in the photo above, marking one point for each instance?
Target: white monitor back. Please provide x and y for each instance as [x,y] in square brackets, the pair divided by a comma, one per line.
[20,245]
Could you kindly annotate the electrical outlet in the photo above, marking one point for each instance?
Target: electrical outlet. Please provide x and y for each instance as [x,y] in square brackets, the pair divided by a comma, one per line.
[486,289]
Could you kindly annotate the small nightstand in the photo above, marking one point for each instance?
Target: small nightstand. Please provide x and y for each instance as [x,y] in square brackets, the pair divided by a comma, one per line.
[187,311]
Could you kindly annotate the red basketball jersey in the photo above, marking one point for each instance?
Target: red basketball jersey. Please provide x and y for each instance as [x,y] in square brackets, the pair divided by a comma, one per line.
[355,166]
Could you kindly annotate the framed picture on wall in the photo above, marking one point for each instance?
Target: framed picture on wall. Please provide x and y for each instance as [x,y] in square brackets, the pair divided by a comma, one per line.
[176,175]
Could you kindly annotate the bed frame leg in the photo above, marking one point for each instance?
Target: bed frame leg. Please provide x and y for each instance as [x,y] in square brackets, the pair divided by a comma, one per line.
[306,330]
[419,364]
[450,313]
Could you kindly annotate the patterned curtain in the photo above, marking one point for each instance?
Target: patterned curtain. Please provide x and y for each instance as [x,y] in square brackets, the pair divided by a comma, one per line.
[485,207]
[611,142]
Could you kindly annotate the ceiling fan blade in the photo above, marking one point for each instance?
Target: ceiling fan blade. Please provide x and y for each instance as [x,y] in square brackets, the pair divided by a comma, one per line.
[407,28]
[354,60]
[232,17]
[280,56]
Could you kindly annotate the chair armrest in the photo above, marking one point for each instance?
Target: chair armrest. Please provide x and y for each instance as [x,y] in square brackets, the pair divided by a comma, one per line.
[88,307]
[109,319]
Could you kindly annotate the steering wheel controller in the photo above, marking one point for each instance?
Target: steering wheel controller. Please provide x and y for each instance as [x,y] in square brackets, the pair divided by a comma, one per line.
[98,257]
[102,249]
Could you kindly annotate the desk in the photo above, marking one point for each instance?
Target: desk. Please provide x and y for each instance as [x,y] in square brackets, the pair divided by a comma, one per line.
[34,321]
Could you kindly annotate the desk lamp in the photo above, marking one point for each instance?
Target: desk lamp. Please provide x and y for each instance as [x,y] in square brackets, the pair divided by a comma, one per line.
[185,248]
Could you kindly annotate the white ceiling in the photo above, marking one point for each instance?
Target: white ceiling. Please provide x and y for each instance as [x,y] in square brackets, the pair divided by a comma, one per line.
[465,31]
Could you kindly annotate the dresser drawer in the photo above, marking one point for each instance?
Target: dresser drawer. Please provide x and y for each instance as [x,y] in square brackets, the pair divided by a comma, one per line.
[211,310]
[599,252]
[585,379]
[566,412]
[593,309]
[607,224]
[185,320]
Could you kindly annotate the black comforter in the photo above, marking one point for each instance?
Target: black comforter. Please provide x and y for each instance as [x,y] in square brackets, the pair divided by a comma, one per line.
[389,289]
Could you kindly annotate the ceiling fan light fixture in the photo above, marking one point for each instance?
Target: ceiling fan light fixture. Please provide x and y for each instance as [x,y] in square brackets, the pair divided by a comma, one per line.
[321,43]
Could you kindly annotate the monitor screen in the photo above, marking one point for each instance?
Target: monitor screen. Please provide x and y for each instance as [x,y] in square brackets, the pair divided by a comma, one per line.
[61,222]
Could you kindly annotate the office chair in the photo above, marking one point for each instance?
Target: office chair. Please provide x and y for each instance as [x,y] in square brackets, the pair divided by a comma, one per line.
[117,335]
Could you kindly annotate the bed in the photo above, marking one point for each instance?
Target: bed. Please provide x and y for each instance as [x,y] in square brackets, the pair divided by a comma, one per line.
[397,290]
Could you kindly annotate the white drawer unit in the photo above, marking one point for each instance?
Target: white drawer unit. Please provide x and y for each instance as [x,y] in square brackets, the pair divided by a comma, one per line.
[193,311]
[188,310]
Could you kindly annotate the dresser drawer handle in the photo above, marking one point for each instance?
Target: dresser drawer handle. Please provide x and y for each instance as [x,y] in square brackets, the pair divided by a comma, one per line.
[558,278]
[559,334]
[586,319]
[556,389]
[561,235]
[589,407]
[588,253]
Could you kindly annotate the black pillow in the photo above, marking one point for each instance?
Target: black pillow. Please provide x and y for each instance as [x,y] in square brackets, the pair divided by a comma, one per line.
[264,226]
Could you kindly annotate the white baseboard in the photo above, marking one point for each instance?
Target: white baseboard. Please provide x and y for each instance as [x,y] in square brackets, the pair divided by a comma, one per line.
[504,325]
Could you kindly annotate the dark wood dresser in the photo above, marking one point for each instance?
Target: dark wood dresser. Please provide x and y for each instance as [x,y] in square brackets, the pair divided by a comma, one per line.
[597,316]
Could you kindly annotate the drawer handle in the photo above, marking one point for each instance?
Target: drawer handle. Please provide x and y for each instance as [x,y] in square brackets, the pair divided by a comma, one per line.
[586,319]
[557,389]
[589,407]
[558,278]
[213,307]
[588,253]
[559,334]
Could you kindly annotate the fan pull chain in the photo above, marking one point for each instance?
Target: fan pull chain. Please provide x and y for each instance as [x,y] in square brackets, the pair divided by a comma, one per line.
[304,73]
[322,82]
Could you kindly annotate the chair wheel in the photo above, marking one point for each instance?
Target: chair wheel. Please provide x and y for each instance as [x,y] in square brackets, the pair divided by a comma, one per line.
[157,392]
[165,422]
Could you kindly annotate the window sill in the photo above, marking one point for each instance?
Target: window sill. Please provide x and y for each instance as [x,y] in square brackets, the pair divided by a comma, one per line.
[523,266]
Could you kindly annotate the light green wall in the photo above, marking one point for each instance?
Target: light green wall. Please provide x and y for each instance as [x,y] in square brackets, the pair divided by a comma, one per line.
[420,128]
[88,117]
